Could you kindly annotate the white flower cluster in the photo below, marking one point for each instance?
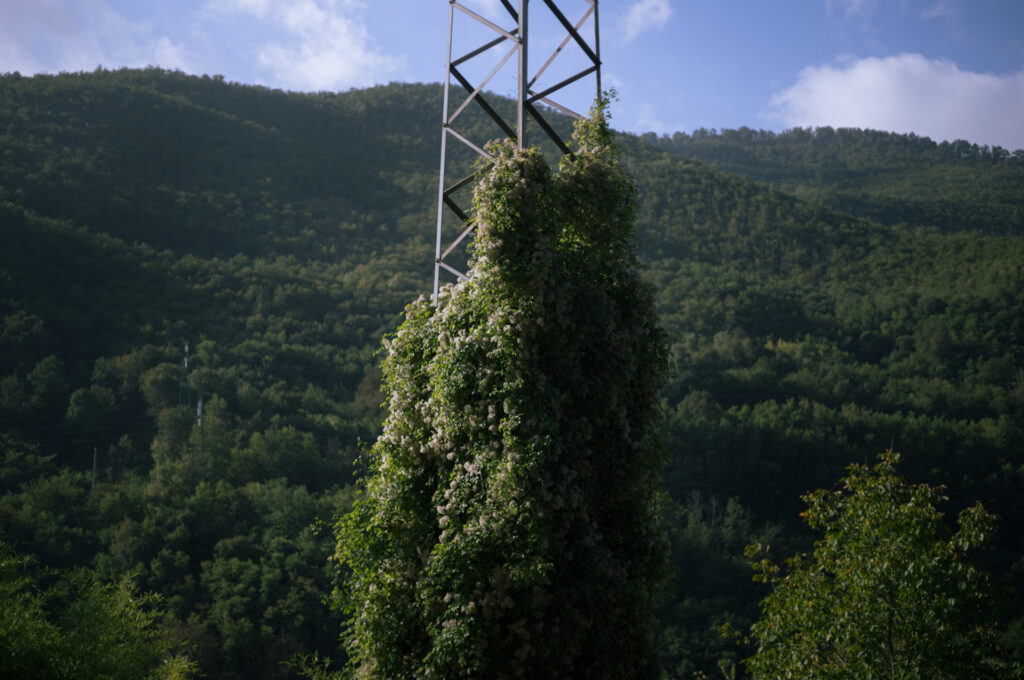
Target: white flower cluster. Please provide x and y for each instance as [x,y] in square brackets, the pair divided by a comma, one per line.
[510,485]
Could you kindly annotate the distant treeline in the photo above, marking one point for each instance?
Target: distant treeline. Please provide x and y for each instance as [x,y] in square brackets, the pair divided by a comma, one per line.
[891,178]
[828,294]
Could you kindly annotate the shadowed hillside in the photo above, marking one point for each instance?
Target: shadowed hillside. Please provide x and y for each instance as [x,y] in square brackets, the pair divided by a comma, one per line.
[827,296]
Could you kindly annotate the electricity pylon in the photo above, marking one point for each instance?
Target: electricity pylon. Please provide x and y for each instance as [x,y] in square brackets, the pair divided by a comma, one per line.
[583,59]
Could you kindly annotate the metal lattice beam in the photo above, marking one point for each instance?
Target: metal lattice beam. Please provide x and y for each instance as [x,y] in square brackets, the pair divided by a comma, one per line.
[509,33]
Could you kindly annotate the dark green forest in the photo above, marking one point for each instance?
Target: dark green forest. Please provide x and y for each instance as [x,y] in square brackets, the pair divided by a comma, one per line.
[893,179]
[828,295]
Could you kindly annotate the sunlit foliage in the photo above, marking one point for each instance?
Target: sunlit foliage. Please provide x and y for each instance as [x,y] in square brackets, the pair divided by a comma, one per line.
[510,520]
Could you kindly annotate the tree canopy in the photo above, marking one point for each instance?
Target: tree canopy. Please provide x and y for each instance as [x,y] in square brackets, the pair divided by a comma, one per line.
[281,235]
[73,626]
[889,591]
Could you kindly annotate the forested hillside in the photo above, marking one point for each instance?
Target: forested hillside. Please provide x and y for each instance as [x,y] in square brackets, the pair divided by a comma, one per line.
[894,179]
[827,296]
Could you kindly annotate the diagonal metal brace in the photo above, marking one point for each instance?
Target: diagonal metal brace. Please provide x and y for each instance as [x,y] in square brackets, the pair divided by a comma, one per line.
[572,31]
[526,100]
[479,99]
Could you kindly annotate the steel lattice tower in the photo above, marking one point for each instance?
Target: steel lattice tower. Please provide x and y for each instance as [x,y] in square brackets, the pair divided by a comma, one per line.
[584,58]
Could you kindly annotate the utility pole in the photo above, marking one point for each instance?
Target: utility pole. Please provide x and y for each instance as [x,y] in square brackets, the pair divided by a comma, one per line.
[184,388]
[185,399]
[199,426]
[509,27]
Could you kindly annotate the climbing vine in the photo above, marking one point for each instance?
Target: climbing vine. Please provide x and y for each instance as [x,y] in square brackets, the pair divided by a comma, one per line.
[509,515]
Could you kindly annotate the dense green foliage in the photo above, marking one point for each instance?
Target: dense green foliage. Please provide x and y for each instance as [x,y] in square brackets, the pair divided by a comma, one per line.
[888,593]
[74,627]
[510,518]
[891,178]
[282,234]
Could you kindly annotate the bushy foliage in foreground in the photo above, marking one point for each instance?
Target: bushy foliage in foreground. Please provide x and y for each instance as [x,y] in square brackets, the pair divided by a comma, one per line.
[74,626]
[889,592]
[509,520]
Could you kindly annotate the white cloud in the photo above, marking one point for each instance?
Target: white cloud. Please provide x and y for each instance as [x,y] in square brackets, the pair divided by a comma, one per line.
[644,15]
[646,120]
[169,54]
[489,8]
[258,8]
[907,93]
[318,44]
[78,35]
[942,9]
[851,9]
[295,44]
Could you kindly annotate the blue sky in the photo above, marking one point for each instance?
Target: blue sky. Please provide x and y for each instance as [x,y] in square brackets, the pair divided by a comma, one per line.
[945,69]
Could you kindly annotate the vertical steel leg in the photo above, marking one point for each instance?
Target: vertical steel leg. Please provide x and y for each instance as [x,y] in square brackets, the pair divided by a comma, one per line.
[528,100]
[444,149]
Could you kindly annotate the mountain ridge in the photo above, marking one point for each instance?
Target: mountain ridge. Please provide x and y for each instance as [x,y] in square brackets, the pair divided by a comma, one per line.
[281,234]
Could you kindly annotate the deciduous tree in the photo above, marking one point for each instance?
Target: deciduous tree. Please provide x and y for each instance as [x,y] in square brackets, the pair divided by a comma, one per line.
[889,591]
